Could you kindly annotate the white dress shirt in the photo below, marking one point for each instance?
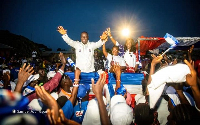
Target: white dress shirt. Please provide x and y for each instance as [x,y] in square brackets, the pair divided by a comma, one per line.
[84,53]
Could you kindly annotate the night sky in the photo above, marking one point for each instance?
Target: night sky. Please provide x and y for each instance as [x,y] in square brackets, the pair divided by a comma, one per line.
[38,19]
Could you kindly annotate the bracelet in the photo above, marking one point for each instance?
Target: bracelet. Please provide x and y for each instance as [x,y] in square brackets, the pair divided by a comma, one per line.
[76,79]
[111,37]
[75,84]
[118,80]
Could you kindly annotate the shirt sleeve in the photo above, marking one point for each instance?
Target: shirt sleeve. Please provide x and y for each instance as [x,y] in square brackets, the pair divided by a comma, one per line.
[69,41]
[68,109]
[98,44]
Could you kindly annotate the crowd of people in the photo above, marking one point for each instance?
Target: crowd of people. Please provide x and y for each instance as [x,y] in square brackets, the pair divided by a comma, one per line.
[35,92]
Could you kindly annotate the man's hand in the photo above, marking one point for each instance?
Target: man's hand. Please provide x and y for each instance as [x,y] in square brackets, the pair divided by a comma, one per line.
[191,78]
[104,36]
[98,87]
[117,69]
[24,73]
[156,59]
[191,49]
[61,30]
[108,32]
[62,120]
[48,100]
[62,58]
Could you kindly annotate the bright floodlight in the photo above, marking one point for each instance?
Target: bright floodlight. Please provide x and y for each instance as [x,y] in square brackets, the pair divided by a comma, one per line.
[125,32]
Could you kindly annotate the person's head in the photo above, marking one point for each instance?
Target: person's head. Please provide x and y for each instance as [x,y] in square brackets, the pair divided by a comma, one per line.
[115,50]
[41,72]
[92,115]
[130,45]
[183,114]
[84,37]
[66,81]
[120,112]
[143,114]
[61,101]
[95,54]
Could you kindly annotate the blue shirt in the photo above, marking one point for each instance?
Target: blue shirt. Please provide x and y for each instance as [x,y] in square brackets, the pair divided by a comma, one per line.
[78,113]
[68,109]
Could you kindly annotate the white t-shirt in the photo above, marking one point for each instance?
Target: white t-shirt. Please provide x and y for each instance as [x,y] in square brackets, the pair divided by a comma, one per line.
[116,59]
[130,59]
[84,53]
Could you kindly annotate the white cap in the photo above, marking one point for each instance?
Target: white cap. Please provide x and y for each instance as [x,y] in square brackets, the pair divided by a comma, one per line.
[117,99]
[92,116]
[51,74]
[31,78]
[121,113]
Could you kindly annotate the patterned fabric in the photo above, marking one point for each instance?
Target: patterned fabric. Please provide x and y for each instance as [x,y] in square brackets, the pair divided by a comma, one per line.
[98,64]
[10,102]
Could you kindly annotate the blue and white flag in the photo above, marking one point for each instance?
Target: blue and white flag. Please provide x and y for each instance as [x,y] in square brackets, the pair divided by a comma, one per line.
[171,40]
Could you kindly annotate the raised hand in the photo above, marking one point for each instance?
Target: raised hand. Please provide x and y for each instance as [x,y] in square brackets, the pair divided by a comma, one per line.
[104,36]
[98,87]
[117,69]
[47,99]
[191,78]
[61,30]
[156,59]
[108,32]
[62,58]
[24,73]
[191,49]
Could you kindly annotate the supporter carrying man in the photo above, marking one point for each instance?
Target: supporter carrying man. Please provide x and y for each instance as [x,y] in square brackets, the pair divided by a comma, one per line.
[84,49]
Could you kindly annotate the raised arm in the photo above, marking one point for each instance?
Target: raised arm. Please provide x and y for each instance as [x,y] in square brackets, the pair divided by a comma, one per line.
[191,80]
[23,75]
[102,41]
[75,86]
[179,90]
[117,71]
[111,37]
[53,83]
[155,61]
[104,50]
[190,53]
[65,37]
[97,89]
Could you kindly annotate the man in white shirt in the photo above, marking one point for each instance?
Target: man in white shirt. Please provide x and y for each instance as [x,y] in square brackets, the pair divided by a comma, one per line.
[84,49]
